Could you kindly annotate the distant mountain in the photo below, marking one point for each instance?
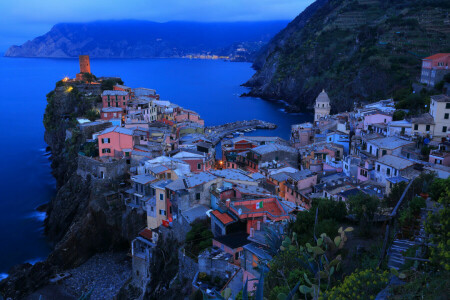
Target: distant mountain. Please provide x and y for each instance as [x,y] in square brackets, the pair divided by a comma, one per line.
[134,39]
[354,49]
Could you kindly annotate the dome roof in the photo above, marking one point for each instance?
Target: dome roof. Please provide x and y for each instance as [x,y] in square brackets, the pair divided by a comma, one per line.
[323,97]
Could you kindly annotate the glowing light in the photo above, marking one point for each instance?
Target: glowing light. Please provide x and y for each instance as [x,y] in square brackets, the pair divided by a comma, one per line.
[69,89]
[65,79]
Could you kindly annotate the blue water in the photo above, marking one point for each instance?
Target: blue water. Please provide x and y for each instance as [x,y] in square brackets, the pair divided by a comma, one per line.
[211,88]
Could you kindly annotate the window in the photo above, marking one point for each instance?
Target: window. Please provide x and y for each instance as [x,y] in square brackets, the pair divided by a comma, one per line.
[123,97]
[124,104]
[236,256]
[384,152]
[446,116]
[106,150]
[447,105]
[416,126]
[117,104]
[108,98]
[115,115]
[444,129]
[197,196]
[105,115]
[388,171]
[162,212]
[427,128]
[384,120]
[199,166]
[161,196]
[169,175]
[378,168]
[152,208]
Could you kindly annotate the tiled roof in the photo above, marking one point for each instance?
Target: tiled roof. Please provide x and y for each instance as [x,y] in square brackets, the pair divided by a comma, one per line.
[440,98]
[117,129]
[232,174]
[146,234]
[395,162]
[425,118]
[161,184]
[195,213]
[264,149]
[200,178]
[437,56]
[224,218]
[391,142]
[114,93]
[143,179]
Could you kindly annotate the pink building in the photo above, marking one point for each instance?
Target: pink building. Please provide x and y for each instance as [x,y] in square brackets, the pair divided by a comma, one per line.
[116,142]
[199,162]
[434,68]
[439,158]
[115,99]
[111,113]
[364,171]
[181,114]
[376,118]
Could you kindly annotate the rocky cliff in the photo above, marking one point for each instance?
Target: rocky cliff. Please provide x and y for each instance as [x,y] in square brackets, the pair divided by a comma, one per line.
[356,50]
[130,39]
[81,221]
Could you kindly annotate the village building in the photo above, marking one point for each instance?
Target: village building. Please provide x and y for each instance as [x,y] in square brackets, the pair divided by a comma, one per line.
[392,166]
[302,134]
[434,68]
[387,145]
[159,209]
[108,113]
[440,111]
[322,106]
[115,99]
[116,142]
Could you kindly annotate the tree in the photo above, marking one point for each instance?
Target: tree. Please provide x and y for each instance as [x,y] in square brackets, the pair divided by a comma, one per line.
[364,206]
[89,77]
[399,115]
[92,115]
[395,194]
[108,84]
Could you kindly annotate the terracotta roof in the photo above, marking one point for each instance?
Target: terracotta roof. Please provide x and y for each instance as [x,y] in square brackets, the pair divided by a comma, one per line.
[437,55]
[146,234]
[223,217]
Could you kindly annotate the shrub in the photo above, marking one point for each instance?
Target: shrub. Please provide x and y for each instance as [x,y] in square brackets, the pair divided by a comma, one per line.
[365,284]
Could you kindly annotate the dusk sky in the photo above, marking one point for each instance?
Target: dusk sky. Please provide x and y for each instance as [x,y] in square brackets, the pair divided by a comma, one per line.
[22,20]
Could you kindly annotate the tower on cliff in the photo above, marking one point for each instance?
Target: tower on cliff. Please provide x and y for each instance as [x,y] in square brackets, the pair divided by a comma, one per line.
[322,107]
[85,66]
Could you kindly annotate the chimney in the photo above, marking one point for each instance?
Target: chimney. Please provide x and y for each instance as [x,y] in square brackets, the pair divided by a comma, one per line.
[228,202]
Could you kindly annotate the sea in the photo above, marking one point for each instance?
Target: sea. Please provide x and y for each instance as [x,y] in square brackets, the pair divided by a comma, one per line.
[210,87]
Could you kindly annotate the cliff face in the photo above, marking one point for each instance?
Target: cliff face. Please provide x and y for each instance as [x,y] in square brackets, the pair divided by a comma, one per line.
[129,39]
[356,50]
[80,220]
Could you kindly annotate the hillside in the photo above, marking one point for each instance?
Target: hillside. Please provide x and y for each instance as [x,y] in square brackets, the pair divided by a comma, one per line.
[131,38]
[356,50]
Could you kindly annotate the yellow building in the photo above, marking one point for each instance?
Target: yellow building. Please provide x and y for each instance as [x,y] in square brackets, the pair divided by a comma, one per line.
[440,111]
[322,107]
[157,206]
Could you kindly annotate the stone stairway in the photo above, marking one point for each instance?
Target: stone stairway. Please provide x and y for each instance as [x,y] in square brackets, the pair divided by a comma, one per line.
[396,259]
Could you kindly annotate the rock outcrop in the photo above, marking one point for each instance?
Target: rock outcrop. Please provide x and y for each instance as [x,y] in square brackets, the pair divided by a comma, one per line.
[81,221]
[355,50]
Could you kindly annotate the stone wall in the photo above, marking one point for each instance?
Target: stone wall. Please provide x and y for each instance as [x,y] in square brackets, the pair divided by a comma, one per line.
[101,170]
[89,128]
[187,267]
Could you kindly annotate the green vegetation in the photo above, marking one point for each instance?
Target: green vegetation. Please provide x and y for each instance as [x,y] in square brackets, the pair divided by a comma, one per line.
[399,115]
[198,238]
[365,284]
[364,207]
[359,51]
[89,77]
[108,84]
[92,114]
[330,214]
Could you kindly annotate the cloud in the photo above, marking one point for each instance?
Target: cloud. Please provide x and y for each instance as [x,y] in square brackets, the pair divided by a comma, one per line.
[24,19]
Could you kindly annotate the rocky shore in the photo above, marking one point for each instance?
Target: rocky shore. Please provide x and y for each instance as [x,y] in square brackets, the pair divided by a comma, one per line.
[101,276]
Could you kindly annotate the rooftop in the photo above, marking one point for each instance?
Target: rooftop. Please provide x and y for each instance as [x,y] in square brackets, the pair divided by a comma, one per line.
[265,149]
[197,179]
[143,179]
[440,98]
[117,129]
[114,93]
[232,174]
[395,162]
[389,143]
[195,213]
[161,184]
[437,56]
[224,218]
[425,118]
[233,240]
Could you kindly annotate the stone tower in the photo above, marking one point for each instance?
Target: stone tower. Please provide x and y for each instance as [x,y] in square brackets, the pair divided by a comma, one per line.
[85,66]
[322,107]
